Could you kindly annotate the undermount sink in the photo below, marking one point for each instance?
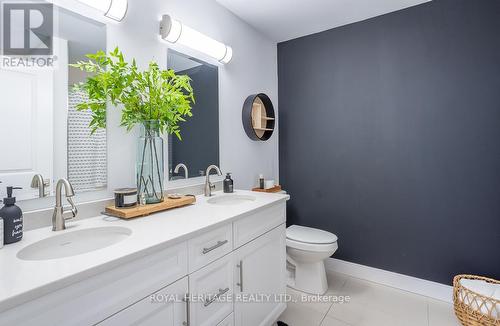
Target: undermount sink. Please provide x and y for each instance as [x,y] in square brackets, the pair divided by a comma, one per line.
[230,200]
[74,243]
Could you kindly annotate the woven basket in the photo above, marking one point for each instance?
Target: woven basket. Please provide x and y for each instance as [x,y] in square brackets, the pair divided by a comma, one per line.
[464,300]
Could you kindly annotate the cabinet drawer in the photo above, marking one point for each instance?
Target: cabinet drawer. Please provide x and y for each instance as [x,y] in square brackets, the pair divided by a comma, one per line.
[209,246]
[256,224]
[205,287]
[228,321]
[164,307]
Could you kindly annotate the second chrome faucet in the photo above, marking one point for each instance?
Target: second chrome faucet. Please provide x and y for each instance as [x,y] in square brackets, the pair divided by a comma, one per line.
[208,185]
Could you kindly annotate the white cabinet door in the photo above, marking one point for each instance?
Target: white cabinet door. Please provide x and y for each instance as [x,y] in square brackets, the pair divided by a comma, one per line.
[166,308]
[260,275]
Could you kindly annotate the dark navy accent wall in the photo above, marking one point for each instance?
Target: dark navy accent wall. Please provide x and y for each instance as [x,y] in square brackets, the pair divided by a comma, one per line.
[390,138]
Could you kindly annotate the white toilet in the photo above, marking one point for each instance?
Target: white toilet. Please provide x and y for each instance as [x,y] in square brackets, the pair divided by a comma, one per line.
[306,250]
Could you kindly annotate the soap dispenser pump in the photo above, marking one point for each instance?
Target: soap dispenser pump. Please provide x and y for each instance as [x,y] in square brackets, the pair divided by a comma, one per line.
[228,184]
[12,217]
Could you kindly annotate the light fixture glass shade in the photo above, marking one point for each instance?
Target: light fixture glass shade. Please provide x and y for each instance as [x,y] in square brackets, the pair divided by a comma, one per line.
[114,9]
[174,31]
[117,10]
[228,56]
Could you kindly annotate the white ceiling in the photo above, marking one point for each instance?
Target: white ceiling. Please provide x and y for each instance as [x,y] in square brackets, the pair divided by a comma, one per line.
[282,20]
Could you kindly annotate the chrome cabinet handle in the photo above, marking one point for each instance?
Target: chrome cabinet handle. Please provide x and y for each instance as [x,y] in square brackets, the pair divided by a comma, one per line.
[215,297]
[219,244]
[187,322]
[240,284]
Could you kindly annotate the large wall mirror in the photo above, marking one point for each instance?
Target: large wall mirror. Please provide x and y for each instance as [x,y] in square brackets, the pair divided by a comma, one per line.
[41,131]
[199,147]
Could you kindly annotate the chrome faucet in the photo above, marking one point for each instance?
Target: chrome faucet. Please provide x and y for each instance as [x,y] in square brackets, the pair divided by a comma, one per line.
[60,215]
[38,183]
[208,185]
[179,166]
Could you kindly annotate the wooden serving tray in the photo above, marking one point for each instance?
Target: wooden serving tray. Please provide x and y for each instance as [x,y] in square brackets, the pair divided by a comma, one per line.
[146,210]
[273,189]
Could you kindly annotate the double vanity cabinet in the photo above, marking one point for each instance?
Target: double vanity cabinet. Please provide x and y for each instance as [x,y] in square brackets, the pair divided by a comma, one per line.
[224,267]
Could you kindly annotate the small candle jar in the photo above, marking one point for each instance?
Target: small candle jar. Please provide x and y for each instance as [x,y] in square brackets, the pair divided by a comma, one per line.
[125,197]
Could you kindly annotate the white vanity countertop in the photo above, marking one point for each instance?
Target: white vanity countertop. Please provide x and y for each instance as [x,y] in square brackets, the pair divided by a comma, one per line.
[21,281]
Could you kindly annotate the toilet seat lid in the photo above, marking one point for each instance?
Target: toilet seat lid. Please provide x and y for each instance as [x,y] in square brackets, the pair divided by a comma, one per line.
[310,235]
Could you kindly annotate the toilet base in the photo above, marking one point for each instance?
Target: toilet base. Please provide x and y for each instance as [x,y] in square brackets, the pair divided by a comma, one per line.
[307,263]
[310,278]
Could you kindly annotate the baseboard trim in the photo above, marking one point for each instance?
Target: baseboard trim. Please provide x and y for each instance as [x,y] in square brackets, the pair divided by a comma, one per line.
[399,281]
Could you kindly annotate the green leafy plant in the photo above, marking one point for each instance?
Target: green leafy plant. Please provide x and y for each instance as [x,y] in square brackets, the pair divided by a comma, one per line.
[149,95]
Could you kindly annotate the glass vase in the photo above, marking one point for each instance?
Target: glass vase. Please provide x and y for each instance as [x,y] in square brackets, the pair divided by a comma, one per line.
[150,163]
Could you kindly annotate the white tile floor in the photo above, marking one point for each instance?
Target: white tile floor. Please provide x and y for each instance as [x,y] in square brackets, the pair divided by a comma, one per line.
[370,305]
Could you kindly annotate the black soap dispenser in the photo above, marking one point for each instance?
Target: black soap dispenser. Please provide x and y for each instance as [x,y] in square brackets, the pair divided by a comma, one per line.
[12,217]
[228,184]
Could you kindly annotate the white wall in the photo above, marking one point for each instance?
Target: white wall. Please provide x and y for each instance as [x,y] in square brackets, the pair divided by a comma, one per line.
[252,70]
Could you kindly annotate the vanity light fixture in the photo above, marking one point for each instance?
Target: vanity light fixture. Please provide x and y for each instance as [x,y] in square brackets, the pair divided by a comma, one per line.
[174,31]
[114,9]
